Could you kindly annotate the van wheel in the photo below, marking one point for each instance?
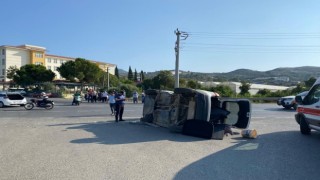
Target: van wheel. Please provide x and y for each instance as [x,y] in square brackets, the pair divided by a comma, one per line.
[1,104]
[304,127]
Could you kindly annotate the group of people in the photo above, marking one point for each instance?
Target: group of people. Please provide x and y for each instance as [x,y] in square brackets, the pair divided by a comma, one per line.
[116,100]
[135,97]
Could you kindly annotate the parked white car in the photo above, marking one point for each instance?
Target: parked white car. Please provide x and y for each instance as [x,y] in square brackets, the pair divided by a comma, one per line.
[11,99]
[289,102]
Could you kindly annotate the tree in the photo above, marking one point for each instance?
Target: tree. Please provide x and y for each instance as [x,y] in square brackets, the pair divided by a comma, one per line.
[244,88]
[264,92]
[141,76]
[81,70]
[182,82]
[135,77]
[163,80]
[310,82]
[32,74]
[148,84]
[297,89]
[130,74]
[116,72]
[193,84]
[224,91]
[11,71]
[68,71]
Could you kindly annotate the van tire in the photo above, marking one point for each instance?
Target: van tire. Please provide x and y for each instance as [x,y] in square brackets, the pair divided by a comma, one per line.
[1,104]
[304,127]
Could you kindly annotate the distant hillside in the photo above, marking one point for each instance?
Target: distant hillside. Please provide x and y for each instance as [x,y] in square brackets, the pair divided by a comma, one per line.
[279,76]
[123,72]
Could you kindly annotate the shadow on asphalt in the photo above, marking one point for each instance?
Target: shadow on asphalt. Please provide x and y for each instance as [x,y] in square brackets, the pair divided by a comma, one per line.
[281,155]
[280,109]
[130,131]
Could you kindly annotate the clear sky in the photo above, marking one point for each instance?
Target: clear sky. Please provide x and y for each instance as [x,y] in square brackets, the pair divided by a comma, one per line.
[224,35]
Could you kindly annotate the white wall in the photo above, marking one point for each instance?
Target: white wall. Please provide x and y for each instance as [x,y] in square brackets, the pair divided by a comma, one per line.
[16,57]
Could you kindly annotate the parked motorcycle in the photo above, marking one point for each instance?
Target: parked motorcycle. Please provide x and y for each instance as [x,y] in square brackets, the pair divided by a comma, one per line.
[45,103]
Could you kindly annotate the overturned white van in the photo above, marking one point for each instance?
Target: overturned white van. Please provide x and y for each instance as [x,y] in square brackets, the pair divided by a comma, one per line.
[195,112]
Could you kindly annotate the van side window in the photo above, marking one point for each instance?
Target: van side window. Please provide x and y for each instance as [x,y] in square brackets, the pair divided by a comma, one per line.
[313,95]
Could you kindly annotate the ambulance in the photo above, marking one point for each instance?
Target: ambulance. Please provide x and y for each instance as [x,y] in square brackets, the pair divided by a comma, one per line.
[308,111]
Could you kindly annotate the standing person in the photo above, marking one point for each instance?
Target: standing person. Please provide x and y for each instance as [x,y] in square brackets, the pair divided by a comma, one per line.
[90,95]
[112,102]
[104,96]
[142,97]
[135,97]
[120,98]
[94,96]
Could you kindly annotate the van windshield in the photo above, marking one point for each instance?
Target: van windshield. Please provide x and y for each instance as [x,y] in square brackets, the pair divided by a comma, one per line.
[313,96]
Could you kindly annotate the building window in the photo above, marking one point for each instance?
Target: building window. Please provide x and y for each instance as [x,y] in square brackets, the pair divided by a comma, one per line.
[3,62]
[38,63]
[55,68]
[39,55]
[3,52]
[61,61]
[3,72]
[49,60]
[55,60]
[49,67]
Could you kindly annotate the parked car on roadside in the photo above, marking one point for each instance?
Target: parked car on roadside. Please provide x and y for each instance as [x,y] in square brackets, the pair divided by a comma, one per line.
[12,99]
[289,102]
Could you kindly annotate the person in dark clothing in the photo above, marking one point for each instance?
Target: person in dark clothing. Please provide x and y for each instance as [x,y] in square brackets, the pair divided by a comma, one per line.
[120,98]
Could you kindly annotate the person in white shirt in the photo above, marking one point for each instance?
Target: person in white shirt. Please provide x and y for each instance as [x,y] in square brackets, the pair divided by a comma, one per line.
[104,96]
[135,97]
[112,102]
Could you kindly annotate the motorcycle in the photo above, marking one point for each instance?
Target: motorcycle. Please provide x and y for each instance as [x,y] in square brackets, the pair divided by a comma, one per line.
[45,103]
[76,100]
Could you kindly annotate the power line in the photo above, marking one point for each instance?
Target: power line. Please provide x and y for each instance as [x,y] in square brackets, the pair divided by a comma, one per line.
[252,45]
[255,35]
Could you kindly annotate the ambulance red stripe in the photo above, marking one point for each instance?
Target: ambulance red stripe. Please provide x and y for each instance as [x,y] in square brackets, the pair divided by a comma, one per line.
[310,111]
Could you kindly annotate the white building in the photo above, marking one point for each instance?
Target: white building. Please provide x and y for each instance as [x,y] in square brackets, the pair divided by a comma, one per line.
[254,88]
[28,54]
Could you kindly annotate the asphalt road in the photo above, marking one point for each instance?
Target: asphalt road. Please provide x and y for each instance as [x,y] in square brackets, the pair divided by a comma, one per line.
[84,142]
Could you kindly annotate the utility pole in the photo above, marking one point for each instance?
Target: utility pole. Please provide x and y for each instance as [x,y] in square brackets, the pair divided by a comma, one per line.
[177,49]
[108,78]
[103,79]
